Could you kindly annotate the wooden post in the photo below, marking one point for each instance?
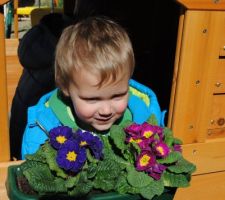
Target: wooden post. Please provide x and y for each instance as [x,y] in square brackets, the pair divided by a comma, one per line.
[16,26]
[4,131]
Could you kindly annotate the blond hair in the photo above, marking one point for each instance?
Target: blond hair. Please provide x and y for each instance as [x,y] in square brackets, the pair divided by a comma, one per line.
[96,44]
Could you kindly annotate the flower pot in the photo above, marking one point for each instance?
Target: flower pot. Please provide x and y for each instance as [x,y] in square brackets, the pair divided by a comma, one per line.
[15,194]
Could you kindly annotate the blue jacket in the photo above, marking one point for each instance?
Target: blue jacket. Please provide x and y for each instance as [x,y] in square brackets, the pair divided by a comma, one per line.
[42,117]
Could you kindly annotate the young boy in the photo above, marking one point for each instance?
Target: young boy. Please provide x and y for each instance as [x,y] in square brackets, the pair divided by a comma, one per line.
[93,66]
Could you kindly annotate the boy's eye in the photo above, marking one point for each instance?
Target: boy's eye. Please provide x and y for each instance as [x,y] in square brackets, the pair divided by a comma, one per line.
[119,96]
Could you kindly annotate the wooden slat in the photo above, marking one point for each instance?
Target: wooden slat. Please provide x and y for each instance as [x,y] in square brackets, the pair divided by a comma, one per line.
[13,68]
[4,131]
[203,4]
[208,157]
[197,62]
[204,187]
[2,2]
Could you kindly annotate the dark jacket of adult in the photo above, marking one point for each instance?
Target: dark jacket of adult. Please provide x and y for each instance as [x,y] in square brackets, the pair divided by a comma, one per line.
[36,55]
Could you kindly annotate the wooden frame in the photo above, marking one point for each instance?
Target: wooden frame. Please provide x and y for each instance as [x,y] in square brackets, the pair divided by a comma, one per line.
[197,67]
[4,131]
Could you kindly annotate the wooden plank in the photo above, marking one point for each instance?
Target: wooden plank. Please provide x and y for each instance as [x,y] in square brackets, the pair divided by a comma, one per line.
[2,2]
[3,175]
[208,157]
[203,4]
[194,88]
[4,131]
[176,67]
[204,187]
[13,68]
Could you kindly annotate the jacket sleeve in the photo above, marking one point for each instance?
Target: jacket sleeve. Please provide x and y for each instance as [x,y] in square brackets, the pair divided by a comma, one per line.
[143,103]
[40,118]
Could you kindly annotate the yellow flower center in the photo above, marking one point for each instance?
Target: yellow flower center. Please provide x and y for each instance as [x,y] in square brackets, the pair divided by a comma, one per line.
[61,139]
[71,156]
[83,143]
[144,160]
[161,150]
[135,141]
[148,134]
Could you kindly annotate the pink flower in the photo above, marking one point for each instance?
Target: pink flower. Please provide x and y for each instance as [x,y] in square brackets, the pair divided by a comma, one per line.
[161,149]
[145,160]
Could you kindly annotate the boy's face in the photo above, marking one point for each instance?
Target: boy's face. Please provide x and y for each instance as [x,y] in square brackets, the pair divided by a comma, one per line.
[98,107]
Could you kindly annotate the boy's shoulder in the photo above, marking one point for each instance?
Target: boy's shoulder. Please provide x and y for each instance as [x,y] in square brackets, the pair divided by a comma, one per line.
[42,113]
[143,103]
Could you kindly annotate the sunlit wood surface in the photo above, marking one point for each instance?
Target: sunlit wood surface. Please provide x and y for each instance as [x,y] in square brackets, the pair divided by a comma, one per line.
[203,187]
[13,68]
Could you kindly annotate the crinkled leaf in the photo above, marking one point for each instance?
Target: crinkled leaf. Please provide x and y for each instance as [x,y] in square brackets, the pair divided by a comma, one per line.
[38,156]
[41,179]
[152,120]
[72,181]
[122,185]
[118,136]
[182,166]
[51,153]
[171,158]
[175,180]
[81,189]
[169,139]
[108,169]
[138,179]
[92,170]
[155,188]
[105,184]
[126,124]
[177,141]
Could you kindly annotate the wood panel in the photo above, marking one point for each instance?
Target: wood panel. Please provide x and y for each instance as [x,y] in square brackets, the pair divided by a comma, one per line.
[203,4]
[13,68]
[4,131]
[197,60]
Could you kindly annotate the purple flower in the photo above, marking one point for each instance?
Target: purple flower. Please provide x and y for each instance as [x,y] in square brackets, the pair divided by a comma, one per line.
[156,171]
[86,139]
[142,143]
[147,130]
[71,156]
[145,160]
[134,130]
[59,135]
[161,149]
[177,147]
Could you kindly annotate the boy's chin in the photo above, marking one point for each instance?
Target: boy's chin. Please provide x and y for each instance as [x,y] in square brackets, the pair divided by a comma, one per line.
[102,127]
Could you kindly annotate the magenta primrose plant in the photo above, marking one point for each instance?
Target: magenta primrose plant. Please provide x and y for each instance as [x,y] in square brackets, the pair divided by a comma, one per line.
[138,159]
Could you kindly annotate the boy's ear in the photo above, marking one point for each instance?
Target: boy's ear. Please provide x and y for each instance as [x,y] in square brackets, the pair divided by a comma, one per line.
[65,92]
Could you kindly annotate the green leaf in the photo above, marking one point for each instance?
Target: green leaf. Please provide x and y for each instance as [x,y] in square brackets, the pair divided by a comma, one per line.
[108,169]
[152,120]
[155,188]
[182,166]
[51,160]
[41,179]
[38,156]
[92,170]
[169,139]
[138,179]
[72,181]
[104,184]
[126,124]
[118,136]
[175,180]
[171,158]
[122,185]
[81,189]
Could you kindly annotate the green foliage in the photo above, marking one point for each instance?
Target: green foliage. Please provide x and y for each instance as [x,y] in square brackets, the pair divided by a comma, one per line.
[115,172]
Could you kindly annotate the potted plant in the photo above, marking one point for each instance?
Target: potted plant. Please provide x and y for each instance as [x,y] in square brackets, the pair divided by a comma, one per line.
[135,161]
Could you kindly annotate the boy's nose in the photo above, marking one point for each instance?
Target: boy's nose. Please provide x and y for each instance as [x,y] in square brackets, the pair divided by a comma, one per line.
[105,110]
